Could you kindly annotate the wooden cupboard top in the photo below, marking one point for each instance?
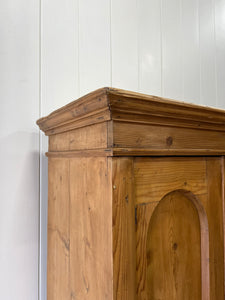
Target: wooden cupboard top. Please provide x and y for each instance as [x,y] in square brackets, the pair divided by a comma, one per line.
[115,104]
[115,122]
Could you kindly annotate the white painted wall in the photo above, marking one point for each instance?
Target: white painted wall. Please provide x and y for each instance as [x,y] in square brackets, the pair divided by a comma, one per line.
[19,149]
[54,51]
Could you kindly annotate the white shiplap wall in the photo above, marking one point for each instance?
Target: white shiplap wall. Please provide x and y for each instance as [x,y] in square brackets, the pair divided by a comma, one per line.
[19,149]
[174,49]
[54,51]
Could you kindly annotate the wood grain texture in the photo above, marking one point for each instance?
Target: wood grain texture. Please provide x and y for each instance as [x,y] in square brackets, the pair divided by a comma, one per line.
[126,226]
[115,104]
[100,116]
[89,109]
[130,152]
[131,135]
[80,229]
[135,104]
[143,213]
[155,177]
[174,250]
[81,153]
[223,204]
[58,273]
[155,258]
[124,260]
[153,180]
[214,210]
[164,152]
[135,124]
[91,267]
[89,137]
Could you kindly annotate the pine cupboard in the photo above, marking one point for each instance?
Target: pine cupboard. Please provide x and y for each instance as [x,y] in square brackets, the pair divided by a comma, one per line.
[136,199]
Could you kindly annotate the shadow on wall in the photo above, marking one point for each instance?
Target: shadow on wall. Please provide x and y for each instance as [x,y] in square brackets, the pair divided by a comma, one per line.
[19,215]
[43,215]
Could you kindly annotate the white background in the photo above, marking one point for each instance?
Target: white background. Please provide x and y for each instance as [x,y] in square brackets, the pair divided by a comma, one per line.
[52,52]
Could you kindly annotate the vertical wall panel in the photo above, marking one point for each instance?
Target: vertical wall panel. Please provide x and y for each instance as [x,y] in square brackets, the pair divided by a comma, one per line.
[172,73]
[220,50]
[59,86]
[171,48]
[59,53]
[19,149]
[124,43]
[190,51]
[149,45]
[94,45]
[207,52]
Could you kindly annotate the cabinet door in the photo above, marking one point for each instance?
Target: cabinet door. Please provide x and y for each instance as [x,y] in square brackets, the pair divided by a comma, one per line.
[179,228]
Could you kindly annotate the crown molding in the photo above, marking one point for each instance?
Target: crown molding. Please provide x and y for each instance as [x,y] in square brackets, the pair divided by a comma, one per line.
[115,104]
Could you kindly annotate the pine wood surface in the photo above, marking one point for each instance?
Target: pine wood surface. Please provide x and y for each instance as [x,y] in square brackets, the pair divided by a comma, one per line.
[214,210]
[130,135]
[91,225]
[130,106]
[58,267]
[136,199]
[85,138]
[80,229]
[157,177]
[174,250]
[124,123]
[124,245]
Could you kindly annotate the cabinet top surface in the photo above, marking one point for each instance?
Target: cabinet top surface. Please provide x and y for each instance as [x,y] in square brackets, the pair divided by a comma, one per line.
[107,104]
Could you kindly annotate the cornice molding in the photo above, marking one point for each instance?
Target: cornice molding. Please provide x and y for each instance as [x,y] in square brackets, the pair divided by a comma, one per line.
[115,104]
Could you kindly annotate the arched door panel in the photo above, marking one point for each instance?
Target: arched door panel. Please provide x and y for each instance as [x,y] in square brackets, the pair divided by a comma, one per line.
[173,238]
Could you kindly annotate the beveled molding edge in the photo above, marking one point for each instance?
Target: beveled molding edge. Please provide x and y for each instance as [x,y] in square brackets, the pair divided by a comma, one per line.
[90,109]
[111,152]
[115,104]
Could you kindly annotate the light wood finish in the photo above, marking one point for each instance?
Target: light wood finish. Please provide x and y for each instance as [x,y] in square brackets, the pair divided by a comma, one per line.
[136,124]
[143,213]
[153,137]
[58,229]
[90,109]
[90,137]
[174,246]
[214,210]
[155,177]
[81,153]
[91,265]
[130,106]
[136,199]
[124,244]
[79,229]
[163,229]
[223,211]
[162,152]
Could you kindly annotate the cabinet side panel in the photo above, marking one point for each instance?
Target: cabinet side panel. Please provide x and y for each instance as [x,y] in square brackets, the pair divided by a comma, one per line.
[58,230]
[91,275]
[223,199]
[89,137]
[214,210]
[124,244]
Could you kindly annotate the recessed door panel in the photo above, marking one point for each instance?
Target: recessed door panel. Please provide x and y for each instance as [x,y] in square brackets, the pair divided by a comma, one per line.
[174,250]
[179,228]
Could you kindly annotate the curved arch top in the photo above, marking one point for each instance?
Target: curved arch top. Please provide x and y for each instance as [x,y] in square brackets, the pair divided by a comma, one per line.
[178,248]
